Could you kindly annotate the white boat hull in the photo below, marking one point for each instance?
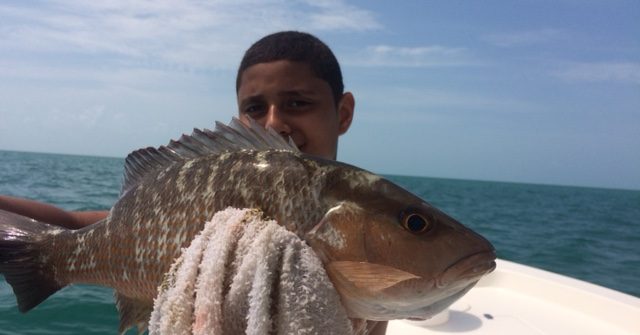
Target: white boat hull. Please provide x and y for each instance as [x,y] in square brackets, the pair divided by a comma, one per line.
[518,299]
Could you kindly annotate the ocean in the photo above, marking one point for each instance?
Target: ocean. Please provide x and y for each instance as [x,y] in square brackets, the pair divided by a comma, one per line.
[589,233]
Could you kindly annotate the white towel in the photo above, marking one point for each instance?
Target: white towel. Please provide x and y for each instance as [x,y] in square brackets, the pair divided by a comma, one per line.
[244,275]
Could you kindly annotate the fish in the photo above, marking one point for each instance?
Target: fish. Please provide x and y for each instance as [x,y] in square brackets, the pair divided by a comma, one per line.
[389,254]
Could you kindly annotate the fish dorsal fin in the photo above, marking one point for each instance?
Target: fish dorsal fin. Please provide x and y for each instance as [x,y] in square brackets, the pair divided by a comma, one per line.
[225,138]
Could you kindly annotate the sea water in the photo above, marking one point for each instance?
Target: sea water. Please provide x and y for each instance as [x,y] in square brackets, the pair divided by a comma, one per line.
[588,233]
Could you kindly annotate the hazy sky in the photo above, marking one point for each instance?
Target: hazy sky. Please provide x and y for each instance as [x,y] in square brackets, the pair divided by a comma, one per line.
[528,91]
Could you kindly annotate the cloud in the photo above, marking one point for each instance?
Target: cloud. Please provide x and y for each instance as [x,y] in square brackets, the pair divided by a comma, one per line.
[412,104]
[620,72]
[336,15]
[423,56]
[524,38]
[195,34]
[88,117]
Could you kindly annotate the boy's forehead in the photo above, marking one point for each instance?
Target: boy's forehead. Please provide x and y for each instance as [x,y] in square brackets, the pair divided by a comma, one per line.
[282,74]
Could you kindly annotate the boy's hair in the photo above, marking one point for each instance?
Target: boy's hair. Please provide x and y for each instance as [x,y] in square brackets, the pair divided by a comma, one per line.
[296,46]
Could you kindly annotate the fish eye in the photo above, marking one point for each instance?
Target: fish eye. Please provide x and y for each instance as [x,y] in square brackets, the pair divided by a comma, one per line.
[416,223]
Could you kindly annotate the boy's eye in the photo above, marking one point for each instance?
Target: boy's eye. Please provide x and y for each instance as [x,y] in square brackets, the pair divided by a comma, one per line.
[254,109]
[298,103]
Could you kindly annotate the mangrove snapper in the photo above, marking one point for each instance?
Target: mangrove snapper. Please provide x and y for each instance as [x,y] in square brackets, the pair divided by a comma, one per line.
[389,254]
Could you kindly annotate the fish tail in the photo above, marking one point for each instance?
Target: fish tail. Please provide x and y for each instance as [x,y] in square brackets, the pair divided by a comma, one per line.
[23,260]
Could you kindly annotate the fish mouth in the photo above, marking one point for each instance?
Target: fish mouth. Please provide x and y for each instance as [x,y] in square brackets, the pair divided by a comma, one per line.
[443,290]
[469,268]
[456,281]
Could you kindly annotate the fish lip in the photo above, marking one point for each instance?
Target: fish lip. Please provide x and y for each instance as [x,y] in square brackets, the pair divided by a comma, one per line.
[427,311]
[468,268]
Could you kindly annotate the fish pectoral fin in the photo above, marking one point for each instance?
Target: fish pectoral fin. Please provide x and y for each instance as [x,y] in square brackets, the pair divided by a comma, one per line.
[370,276]
[133,312]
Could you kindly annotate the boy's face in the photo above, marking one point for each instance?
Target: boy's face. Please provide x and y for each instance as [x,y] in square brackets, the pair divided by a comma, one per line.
[289,98]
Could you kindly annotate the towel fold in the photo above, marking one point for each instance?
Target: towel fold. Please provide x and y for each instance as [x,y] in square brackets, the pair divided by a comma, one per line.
[245,275]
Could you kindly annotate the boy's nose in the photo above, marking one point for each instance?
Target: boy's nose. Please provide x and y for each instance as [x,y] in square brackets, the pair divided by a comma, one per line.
[277,120]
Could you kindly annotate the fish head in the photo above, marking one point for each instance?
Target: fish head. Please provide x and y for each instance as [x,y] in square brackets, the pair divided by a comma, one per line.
[392,255]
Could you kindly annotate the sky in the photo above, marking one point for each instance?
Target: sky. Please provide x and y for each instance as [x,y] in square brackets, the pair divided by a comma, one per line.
[518,91]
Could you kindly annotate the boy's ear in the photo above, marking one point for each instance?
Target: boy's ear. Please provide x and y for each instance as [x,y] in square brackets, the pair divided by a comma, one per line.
[346,107]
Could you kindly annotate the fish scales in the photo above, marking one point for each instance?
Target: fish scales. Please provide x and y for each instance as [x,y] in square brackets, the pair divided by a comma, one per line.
[152,219]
